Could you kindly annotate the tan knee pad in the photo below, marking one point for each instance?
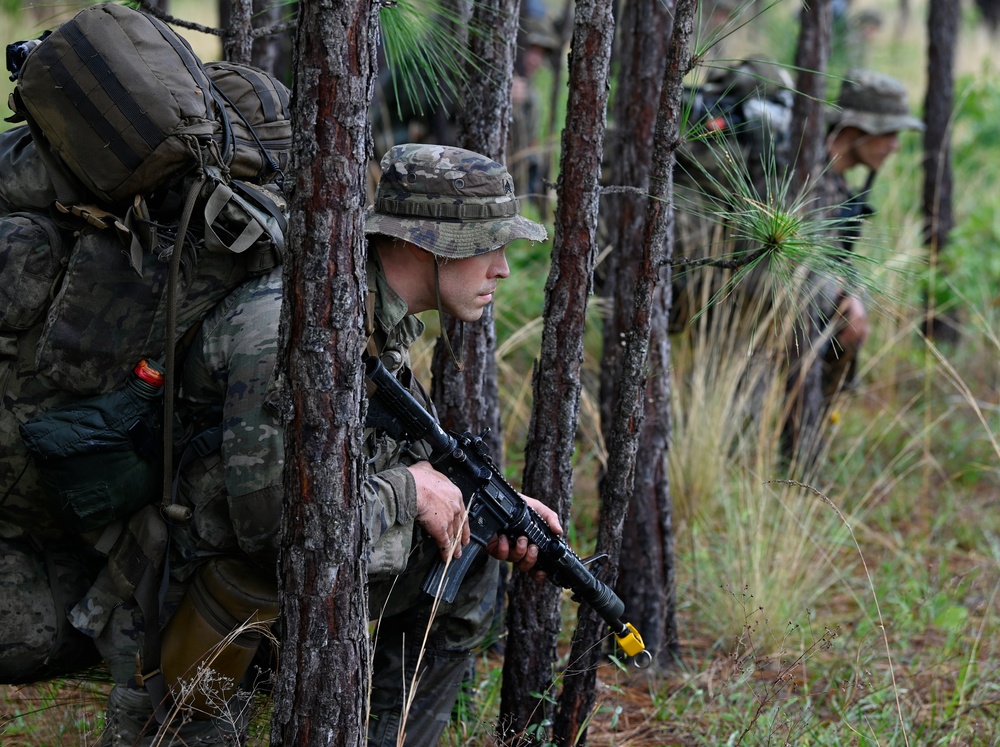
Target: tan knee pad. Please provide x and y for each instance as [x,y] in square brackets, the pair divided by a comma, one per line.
[229,606]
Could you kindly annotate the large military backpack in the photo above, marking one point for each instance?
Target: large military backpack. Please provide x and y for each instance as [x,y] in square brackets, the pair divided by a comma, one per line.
[119,98]
[119,107]
[101,265]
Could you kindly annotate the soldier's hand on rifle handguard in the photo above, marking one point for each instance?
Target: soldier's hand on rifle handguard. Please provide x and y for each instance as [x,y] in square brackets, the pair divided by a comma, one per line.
[519,550]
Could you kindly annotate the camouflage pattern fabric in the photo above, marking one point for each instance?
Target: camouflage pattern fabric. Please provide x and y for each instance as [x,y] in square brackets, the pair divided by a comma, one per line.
[38,582]
[25,184]
[452,202]
[229,382]
[106,317]
[235,492]
[86,340]
[235,496]
[236,500]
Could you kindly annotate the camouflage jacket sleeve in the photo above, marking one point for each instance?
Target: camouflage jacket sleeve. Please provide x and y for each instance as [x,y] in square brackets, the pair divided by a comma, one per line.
[231,367]
[390,492]
[390,501]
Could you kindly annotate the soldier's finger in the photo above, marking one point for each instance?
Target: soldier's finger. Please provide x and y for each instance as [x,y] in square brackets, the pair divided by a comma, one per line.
[466,529]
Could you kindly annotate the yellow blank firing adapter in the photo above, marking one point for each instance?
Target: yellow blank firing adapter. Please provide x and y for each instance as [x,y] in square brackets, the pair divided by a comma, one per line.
[631,643]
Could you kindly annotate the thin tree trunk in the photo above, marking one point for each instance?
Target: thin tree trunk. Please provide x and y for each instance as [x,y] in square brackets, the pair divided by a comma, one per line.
[324,665]
[807,131]
[939,218]
[237,40]
[802,430]
[647,590]
[273,53]
[533,621]
[617,485]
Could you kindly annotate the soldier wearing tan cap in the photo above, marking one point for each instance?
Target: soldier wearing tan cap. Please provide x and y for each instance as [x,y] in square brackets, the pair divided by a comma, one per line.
[863,131]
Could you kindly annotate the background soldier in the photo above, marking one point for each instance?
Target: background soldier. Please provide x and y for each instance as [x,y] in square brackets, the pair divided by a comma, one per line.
[864,126]
[528,155]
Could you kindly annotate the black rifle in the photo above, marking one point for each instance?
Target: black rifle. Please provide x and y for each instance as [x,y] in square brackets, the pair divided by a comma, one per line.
[494,507]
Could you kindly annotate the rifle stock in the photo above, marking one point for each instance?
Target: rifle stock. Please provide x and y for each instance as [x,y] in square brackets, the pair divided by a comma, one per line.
[494,507]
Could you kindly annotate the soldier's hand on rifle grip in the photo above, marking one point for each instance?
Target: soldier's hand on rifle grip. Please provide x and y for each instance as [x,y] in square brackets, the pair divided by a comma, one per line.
[441,510]
[520,553]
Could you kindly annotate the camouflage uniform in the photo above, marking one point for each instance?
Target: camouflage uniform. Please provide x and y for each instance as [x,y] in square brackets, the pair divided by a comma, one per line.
[401,556]
[234,493]
[75,316]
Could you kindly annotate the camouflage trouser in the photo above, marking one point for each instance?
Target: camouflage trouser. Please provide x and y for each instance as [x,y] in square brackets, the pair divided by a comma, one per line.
[38,584]
[404,612]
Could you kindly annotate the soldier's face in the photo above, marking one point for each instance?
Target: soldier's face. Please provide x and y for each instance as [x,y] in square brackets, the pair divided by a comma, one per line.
[872,150]
[467,285]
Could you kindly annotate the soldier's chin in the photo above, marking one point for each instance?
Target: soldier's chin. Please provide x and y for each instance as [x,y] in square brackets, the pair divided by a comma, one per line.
[471,315]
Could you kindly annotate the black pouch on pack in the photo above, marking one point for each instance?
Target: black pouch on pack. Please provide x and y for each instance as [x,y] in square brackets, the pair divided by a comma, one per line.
[99,459]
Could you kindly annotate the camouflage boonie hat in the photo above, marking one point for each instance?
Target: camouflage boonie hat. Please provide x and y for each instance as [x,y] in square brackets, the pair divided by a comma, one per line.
[874,103]
[452,202]
[539,32]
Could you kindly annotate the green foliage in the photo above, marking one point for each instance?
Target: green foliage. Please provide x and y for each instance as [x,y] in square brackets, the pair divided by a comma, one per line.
[426,58]
[970,262]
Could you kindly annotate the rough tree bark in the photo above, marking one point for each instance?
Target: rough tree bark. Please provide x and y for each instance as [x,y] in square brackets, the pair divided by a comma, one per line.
[258,44]
[617,485]
[647,538]
[533,619]
[237,36]
[939,218]
[324,665]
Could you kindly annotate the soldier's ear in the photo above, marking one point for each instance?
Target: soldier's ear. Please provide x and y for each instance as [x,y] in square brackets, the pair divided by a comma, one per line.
[420,255]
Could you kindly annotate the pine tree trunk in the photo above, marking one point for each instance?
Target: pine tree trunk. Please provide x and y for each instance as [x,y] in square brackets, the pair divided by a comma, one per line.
[324,666]
[533,621]
[617,485]
[647,541]
[237,41]
[939,218]
[273,53]
[802,431]
[808,127]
